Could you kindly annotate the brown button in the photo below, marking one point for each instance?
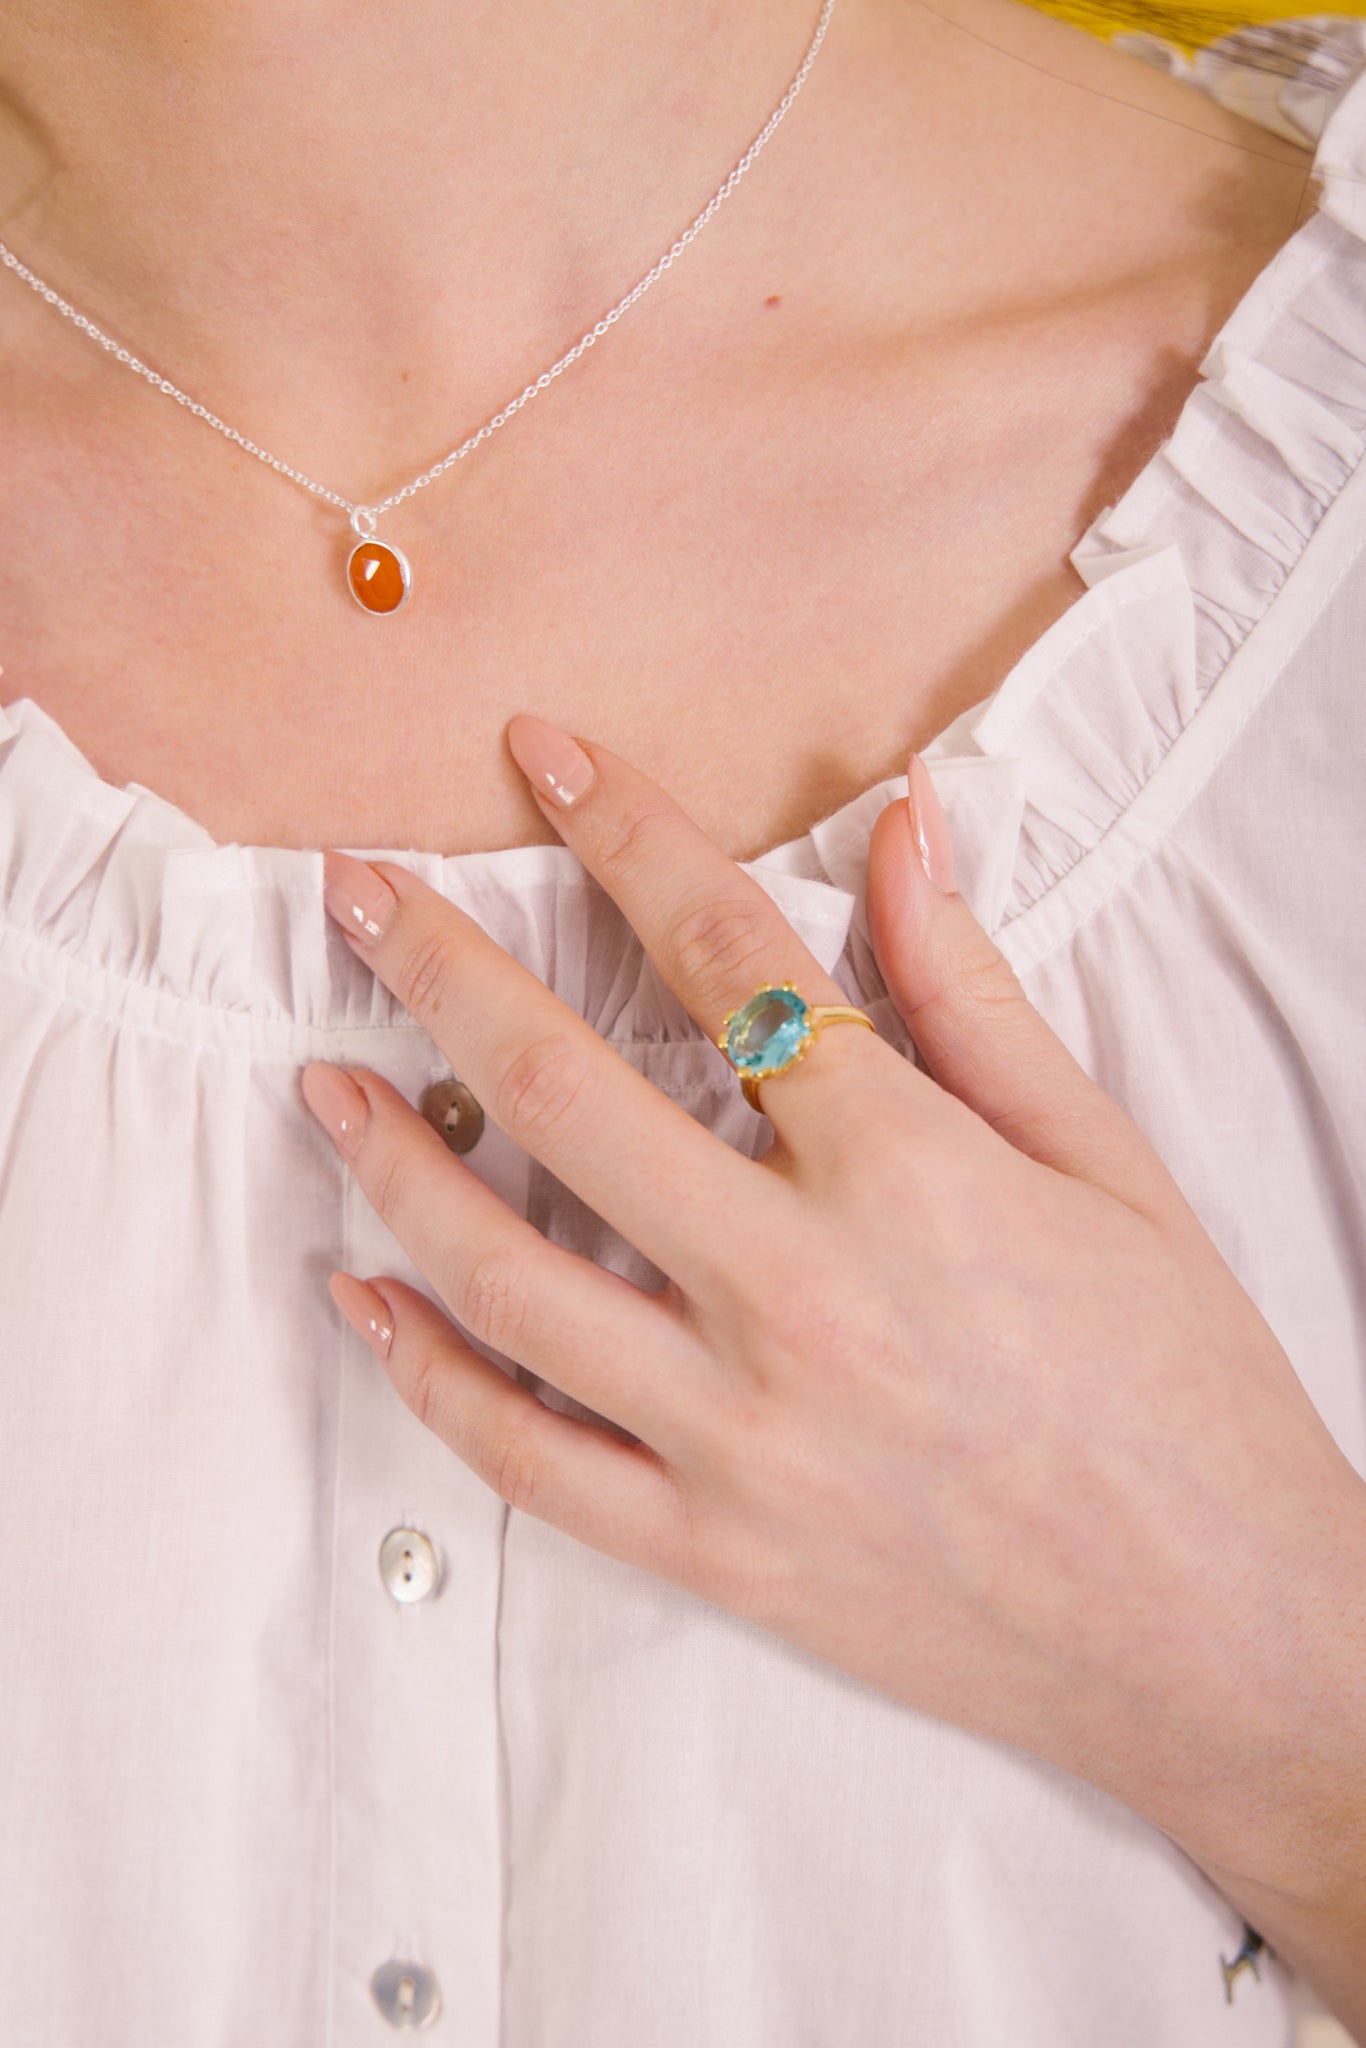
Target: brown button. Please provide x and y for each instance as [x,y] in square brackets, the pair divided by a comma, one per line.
[450,1108]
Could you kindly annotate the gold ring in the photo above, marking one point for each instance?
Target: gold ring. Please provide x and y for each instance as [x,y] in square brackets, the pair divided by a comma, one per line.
[773,1030]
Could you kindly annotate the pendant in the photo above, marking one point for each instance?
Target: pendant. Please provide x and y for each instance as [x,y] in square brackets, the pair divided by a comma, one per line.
[377,574]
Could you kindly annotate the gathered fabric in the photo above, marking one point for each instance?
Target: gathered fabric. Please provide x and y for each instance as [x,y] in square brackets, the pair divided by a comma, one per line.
[238,1777]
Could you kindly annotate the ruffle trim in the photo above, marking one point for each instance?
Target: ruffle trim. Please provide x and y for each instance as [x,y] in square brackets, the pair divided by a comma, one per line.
[120,898]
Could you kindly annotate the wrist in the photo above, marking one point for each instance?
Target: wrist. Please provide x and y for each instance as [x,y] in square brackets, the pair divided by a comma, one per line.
[1277,1815]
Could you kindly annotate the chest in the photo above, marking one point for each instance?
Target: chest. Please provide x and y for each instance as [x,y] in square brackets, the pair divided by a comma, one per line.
[762,581]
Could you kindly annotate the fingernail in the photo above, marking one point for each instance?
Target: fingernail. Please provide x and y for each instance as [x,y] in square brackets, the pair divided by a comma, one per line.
[337,1103]
[366,1310]
[551,761]
[361,900]
[930,826]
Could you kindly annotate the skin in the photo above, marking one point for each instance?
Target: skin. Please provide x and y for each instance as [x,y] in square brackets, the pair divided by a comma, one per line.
[854,509]
[998,247]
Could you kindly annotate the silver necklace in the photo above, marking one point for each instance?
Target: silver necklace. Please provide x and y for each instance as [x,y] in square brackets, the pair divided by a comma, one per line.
[378,574]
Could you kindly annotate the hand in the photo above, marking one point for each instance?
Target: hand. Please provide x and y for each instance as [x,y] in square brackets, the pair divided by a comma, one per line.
[950,1387]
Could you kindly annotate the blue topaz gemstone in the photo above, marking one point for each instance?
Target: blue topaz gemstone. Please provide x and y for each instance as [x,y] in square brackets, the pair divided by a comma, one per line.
[771,1029]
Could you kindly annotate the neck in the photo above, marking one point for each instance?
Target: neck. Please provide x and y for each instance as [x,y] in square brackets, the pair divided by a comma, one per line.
[345,218]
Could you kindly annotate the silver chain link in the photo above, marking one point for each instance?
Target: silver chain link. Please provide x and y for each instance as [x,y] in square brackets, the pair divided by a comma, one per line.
[363,516]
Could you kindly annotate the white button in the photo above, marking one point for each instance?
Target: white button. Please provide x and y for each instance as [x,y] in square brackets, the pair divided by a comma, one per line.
[406,1994]
[407,1565]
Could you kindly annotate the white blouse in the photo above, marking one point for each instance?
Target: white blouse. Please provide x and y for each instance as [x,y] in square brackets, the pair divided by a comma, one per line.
[305,1737]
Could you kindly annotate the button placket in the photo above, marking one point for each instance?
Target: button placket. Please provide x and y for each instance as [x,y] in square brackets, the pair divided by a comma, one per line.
[415,1708]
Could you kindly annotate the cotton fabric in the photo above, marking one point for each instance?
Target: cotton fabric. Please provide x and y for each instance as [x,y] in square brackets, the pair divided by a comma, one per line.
[235,1776]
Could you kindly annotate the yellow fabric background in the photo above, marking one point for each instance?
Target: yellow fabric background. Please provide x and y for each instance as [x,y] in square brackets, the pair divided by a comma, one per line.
[1190,28]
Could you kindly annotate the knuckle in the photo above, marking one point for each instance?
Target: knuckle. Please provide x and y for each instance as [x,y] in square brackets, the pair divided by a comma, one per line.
[422,1383]
[509,1464]
[492,1298]
[543,1091]
[987,977]
[813,1310]
[389,1185]
[627,841]
[717,941]
[427,972]
[734,1568]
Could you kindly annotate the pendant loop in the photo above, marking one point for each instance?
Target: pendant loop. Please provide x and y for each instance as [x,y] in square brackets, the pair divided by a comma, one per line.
[362,521]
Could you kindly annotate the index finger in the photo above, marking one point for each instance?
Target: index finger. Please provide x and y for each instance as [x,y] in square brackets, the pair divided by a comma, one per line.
[544,1075]
[716,936]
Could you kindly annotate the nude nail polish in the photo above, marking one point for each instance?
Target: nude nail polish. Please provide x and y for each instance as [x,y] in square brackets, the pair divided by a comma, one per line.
[552,762]
[365,1309]
[338,1104]
[930,826]
[359,899]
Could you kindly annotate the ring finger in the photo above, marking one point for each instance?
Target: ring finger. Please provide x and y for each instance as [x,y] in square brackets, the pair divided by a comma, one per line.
[605,1342]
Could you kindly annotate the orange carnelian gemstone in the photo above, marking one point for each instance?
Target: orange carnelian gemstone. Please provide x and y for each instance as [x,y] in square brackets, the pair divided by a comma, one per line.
[376,576]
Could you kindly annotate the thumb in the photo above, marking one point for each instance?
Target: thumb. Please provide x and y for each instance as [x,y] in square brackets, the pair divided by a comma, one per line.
[977,1031]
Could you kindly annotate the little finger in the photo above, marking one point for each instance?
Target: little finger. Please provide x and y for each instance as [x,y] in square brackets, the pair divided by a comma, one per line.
[618,1497]
[608,1344]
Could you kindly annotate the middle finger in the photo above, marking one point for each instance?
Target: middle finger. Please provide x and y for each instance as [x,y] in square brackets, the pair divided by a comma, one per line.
[557,1088]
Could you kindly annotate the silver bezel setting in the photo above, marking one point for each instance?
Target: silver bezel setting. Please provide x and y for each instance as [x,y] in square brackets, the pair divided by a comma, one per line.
[375,540]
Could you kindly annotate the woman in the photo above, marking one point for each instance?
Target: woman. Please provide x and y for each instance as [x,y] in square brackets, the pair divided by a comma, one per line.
[908,1589]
